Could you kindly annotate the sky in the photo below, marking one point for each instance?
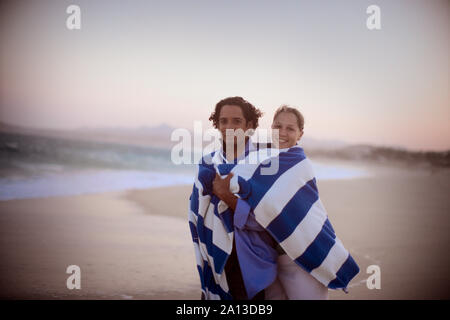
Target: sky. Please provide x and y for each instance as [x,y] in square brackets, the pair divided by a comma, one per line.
[143,63]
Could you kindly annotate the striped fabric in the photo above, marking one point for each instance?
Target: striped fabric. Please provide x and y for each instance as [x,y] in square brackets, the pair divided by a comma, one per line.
[286,203]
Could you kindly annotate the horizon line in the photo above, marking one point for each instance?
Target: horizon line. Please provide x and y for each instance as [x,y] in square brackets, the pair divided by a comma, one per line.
[164,124]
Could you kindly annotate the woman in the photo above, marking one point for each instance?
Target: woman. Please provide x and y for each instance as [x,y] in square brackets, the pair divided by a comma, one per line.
[292,282]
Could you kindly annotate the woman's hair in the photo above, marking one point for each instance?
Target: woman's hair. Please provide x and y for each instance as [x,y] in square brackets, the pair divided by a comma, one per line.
[297,114]
[251,113]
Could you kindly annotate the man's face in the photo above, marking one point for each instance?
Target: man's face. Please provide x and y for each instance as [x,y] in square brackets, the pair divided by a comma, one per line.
[231,117]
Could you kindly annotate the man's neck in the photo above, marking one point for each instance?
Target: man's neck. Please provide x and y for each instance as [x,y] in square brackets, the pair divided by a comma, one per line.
[237,152]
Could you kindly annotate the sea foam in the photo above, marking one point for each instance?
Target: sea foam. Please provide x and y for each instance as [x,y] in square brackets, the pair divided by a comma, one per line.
[66,183]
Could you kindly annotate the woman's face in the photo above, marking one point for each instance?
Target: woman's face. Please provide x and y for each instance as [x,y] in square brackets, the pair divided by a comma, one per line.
[289,132]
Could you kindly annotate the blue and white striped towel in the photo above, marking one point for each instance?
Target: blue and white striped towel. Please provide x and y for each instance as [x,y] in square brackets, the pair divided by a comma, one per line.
[286,203]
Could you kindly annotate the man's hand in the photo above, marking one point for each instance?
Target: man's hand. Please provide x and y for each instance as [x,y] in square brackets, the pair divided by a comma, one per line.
[221,188]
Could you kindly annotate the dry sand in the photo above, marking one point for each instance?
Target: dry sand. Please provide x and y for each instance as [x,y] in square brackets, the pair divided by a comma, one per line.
[137,245]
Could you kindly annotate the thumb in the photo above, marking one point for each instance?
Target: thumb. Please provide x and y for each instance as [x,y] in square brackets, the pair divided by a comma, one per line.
[229,176]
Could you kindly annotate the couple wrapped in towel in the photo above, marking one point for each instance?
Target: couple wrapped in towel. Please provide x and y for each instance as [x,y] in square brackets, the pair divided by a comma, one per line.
[280,188]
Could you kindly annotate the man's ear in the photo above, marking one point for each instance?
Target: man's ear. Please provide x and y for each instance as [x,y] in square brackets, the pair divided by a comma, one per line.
[250,125]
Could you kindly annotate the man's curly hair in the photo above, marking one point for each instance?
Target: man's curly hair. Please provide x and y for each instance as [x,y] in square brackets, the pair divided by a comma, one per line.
[251,113]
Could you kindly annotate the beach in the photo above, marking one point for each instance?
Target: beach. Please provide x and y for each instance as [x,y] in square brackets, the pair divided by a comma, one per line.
[136,244]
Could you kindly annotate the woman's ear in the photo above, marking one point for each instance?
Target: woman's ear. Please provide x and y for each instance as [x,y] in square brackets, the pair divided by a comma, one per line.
[300,135]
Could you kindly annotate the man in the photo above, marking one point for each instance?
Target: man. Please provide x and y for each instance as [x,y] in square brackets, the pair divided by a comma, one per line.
[231,115]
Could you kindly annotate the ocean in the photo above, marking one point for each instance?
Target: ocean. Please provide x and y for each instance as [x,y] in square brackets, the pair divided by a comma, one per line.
[38,167]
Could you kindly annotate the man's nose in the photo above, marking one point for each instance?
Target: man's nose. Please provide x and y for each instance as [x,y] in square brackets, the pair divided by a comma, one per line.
[232,127]
[228,125]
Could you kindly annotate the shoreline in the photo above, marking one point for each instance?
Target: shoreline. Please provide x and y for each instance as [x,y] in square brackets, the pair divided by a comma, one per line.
[53,183]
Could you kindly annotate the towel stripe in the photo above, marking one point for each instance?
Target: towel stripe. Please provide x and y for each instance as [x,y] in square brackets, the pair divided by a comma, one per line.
[332,263]
[318,250]
[305,232]
[221,238]
[262,185]
[206,237]
[225,216]
[294,212]
[275,199]
[210,285]
[194,200]
[345,274]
